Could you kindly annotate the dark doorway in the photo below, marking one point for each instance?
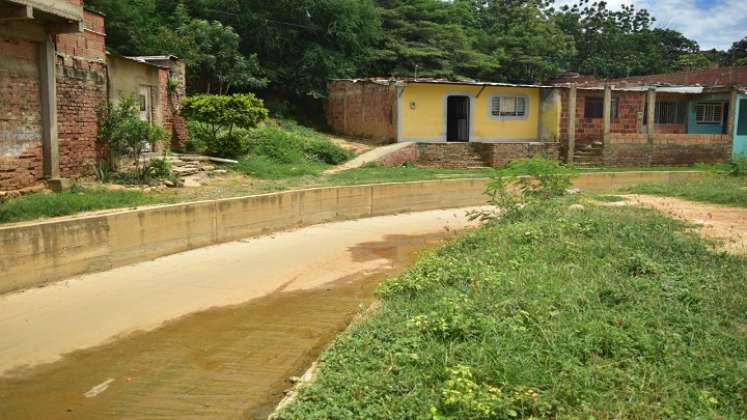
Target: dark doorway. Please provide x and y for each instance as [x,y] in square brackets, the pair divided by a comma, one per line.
[457,118]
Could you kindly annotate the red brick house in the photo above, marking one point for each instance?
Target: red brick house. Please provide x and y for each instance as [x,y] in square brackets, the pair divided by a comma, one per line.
[53,82]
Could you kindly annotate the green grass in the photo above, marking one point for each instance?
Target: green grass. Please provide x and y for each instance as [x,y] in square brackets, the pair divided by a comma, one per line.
[718,189]
[41,205]
[266,168]
[595,314]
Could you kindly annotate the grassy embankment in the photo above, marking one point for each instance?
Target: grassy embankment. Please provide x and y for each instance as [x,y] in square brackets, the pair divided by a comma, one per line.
[557,313]
[281,155]
[40,205]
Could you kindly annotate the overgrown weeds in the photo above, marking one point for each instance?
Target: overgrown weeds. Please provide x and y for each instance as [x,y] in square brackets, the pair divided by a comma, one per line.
[524,182]
[284,149]
[555,313]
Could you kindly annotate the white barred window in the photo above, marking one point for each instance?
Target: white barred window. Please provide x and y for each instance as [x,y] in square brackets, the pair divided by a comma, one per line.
[709,113]
[508,106]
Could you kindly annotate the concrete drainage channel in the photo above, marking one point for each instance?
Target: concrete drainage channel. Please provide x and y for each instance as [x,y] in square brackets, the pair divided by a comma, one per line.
[235,358]
[57,249]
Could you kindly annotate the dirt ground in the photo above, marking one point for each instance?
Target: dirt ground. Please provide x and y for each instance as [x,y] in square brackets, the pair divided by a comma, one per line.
[728,225]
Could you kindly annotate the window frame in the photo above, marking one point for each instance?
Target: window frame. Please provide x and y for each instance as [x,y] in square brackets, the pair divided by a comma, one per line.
[720,105]
[493,96]
[615,107]
[680,113]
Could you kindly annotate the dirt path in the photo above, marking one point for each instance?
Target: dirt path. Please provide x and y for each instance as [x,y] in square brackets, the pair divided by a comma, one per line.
[726,224]
[277,301]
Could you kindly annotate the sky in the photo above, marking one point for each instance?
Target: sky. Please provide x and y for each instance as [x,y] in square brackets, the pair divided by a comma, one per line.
[712,23]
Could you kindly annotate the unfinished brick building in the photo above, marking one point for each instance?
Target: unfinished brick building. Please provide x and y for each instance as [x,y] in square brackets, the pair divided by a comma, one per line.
[53,82]
[638,125]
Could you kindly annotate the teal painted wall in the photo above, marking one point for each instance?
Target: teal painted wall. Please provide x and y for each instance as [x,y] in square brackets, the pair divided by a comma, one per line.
[740,142]
[693,127]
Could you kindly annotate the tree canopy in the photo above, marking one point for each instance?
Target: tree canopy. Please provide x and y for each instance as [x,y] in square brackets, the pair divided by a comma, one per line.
[295,46]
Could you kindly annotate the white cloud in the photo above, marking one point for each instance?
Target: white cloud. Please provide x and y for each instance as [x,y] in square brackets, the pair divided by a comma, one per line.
[717,26]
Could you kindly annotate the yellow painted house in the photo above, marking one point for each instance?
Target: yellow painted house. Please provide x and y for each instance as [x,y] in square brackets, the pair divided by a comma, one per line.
[433,111]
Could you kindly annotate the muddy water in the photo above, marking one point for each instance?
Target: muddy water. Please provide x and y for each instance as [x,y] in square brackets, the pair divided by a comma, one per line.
[231,362]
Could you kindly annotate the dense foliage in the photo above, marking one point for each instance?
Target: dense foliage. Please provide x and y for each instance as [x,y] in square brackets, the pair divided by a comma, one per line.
[293,47]
[220,121]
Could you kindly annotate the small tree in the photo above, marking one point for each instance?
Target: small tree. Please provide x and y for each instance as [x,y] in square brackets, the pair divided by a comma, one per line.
[122,133]
[133,137]
[222,114]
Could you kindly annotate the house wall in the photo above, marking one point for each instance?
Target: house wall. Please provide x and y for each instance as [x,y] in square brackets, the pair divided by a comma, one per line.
[740,141]
[81,90]
[81,93]
[363,109]
[551,111]
[671,128]
[127,77]
[629,120]
[695,128]
[427,121]
[20,114]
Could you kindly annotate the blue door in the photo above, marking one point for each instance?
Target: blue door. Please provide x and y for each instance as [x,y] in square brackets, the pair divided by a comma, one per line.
[740,131]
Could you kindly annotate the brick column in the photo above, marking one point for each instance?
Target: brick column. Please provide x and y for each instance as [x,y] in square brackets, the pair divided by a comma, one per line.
[571,124]
[651,123]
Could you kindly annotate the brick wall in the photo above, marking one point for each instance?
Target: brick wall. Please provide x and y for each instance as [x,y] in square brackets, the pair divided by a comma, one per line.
[174,124]
[591,129]
[20,115]
[667,149]
[465,155]
[362,109]
[81,93]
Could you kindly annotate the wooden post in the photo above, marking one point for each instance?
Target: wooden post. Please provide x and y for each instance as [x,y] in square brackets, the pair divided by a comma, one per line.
[571,123]
[731,119]
[48,88]
[651,123]
[607,114]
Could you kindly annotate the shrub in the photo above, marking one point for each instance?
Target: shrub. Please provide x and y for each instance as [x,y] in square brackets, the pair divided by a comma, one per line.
[327,152]
[230,145]
[276,144]
[222,117]
[199,136]
[121,132]
[158,169]
[536,179]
